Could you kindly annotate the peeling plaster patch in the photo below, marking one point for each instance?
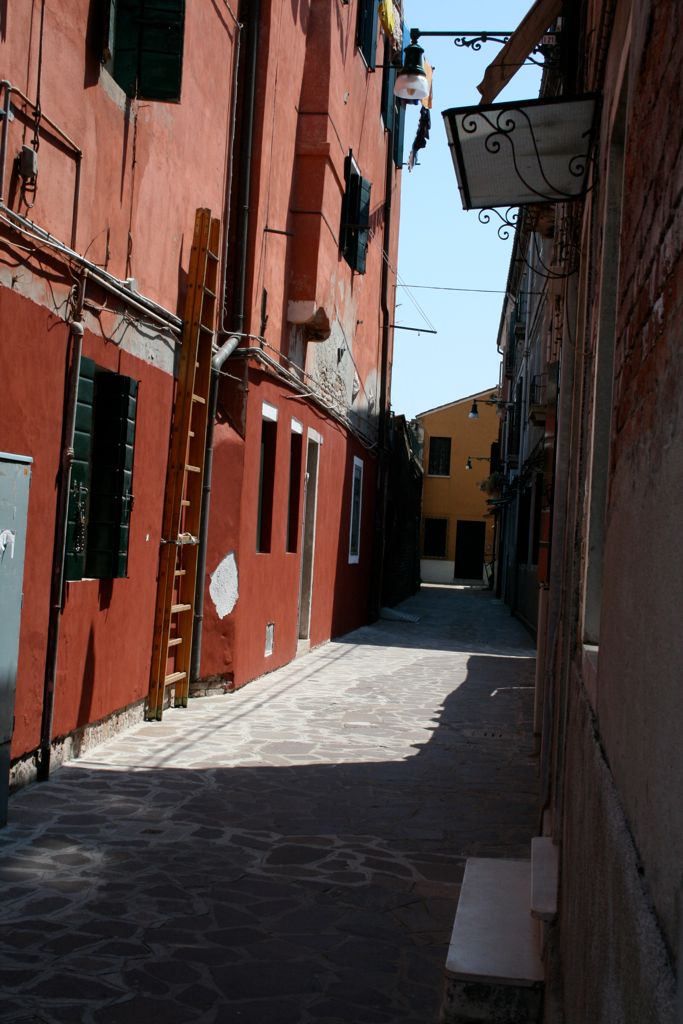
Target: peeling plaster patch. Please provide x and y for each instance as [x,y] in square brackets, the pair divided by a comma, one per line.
[223,587]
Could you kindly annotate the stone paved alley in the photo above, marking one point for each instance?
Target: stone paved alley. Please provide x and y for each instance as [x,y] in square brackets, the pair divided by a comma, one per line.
[286,854]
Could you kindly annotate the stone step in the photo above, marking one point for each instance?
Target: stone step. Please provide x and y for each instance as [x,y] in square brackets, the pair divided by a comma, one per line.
[494,974]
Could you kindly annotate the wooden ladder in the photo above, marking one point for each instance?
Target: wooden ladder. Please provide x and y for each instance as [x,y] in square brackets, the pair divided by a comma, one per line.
[174,610]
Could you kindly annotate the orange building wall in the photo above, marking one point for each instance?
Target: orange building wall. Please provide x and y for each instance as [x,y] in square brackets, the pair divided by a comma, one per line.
[459,495]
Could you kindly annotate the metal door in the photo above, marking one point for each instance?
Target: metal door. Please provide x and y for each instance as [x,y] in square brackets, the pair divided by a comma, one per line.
[15,477]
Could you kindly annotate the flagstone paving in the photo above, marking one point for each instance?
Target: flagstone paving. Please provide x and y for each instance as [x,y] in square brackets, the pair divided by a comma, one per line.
[287,854]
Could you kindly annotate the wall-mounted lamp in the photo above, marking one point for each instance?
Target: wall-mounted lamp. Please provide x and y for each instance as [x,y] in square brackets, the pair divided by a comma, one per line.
[411,80]
[499,403]
[477,458]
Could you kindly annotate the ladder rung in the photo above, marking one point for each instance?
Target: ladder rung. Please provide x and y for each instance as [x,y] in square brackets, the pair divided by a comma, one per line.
[184,502]
[174,677]
[198,398]
[207,291]
[207,330]
[180,608]
[175,641]
[212,255]
[192,469]
[180,572]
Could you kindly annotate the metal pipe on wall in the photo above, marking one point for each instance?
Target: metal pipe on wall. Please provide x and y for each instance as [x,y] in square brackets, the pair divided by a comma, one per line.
[223,354]
[59,549]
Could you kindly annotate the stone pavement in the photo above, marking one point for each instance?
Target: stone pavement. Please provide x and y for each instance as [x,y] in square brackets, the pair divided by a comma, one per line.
[287,854]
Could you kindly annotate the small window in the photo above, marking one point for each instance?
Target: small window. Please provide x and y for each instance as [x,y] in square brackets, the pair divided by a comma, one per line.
[368,16]
[101,496]
[439,456]
[434,538]
[356,496]
[264,524]
[144,47]
[355,222]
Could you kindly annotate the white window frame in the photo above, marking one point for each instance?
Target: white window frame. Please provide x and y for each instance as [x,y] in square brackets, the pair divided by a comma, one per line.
[354,556]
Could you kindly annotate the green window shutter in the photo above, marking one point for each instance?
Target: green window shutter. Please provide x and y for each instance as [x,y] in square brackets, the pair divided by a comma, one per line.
[399,130]
[368,17]
[112,475]
[148,48]
[363,232]
[125,44]
[161,50]
[388,99]
[79,491]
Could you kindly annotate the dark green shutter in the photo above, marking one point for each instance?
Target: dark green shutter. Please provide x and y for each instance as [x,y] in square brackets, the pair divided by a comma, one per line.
[388,99]
[363,231]
[355,225]
[79,491]
[399,130]
[112,475]
[161,50]
[148,48]
[367,30]
[126,44]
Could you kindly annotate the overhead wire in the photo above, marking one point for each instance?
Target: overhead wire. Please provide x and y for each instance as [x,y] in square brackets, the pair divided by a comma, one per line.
[412,298]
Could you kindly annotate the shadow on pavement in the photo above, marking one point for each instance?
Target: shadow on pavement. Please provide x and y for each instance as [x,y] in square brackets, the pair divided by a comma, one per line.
[300,893]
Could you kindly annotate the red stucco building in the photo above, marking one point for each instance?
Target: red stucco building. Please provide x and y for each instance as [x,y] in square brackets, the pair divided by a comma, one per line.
[118,125]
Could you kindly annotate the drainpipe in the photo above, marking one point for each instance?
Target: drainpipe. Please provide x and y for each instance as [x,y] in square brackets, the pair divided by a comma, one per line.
[221,356]
[6,111]
[245,163]
[59,552]
[381,490]
[227,349]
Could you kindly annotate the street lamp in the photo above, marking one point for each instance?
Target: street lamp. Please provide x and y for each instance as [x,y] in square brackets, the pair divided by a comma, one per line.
[499,403]
[412,82]
[477,458]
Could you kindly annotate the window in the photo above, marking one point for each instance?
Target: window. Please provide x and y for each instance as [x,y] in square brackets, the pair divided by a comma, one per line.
[439,456]
[266,485]
[356,495]
[355,222]
[144,47]
[367,30]
[434,538]
[293,508]
[100,497]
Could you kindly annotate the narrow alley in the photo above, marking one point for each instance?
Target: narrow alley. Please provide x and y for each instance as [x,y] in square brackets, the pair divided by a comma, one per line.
[288,853]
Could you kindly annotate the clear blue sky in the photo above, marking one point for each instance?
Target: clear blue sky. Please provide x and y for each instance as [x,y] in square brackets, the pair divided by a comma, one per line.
[441,244]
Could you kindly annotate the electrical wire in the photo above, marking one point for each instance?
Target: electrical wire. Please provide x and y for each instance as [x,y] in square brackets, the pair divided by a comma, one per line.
[316,397]
[31,230]
[444,288]
[412,298]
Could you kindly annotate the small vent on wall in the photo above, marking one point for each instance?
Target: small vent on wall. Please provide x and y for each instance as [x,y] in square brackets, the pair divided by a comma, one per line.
[270,638]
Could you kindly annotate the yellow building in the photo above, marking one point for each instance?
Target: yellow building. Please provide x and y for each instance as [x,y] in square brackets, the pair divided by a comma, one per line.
[457,532]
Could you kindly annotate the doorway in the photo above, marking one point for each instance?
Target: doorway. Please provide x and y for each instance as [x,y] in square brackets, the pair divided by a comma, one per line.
[15,478]
[308,535]
[470,538]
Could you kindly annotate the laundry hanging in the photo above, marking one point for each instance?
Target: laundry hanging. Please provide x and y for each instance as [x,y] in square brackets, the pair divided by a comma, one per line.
[421,136]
